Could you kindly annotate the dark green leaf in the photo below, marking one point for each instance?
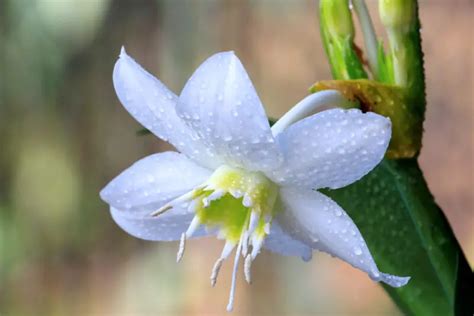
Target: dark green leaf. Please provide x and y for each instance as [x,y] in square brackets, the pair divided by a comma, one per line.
[408,234]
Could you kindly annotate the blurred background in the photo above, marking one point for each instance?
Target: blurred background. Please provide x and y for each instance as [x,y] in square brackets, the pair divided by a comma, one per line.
[64,135]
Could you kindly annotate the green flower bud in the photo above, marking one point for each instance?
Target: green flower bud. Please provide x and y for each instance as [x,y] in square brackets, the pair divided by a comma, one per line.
[335,14]
[398,14]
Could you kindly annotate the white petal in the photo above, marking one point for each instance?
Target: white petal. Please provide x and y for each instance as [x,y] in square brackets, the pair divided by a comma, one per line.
[222,106]
[152,104]
[166,227]
[332,148]
[152,181]
[280,242]
[319,222]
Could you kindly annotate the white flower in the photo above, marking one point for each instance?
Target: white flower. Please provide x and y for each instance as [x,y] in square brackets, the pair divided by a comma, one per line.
[234,178]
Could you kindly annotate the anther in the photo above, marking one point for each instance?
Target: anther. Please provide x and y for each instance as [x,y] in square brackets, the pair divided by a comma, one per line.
[215,271]
[182,245]
[180,199]
[247,266]
[161,210]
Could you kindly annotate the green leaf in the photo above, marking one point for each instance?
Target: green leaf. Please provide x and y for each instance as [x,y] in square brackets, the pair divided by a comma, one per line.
[408,234]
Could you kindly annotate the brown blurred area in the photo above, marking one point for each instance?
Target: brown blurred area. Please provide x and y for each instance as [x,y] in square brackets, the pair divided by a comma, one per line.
[64,135]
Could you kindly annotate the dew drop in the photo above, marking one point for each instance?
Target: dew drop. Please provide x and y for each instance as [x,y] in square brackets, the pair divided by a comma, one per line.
[357,251]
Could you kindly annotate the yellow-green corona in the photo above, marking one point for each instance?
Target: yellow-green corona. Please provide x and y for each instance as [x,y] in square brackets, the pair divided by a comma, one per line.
[239,202]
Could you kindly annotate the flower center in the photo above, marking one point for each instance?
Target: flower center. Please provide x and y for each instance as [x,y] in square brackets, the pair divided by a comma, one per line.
[239,205]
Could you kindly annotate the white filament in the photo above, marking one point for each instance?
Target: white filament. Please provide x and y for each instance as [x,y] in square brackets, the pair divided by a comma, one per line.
[192,227]
[189,232]
[230,305]
[182,244]
[228,247]
[180,199]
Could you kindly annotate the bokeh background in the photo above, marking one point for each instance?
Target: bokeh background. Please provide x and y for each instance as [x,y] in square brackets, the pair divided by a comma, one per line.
[64,135]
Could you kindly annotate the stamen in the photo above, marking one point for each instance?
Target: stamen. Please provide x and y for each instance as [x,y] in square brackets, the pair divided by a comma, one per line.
[188,196]
[257,243]
[189,232]
[183,198]
[230,306]
[254,217]
[247,266]
[161,210]
[192,227]
[215,271]
[228,247]
[182,244]
[245,243]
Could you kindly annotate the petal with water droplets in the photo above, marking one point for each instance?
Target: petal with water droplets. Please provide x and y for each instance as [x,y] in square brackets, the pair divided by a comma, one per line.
[152,181]
[333,148]
[152,104]
[221,105]
[166,227]
[278,241]
[317,221]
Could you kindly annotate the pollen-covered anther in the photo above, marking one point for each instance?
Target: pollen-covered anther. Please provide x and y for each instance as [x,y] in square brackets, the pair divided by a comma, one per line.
[188,196]
[228,247]
[189,232]
[215,271]
[247,270]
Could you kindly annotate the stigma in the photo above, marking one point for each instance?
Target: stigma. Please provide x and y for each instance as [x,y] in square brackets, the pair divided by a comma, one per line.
[239,205]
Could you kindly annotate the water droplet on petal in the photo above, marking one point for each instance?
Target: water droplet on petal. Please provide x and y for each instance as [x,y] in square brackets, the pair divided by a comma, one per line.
[357,251]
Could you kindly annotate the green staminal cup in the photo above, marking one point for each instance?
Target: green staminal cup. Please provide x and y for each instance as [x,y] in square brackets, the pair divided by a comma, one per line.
[239,204]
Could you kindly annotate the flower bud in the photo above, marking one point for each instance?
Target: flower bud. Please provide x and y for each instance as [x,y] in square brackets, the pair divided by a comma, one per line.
[397,14]
[337,18]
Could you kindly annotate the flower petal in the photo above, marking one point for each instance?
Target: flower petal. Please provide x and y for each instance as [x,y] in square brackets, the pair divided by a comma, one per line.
[152,104]
[220,103]
[278,241]
[333,148]
[319,222]
[166,227]
[152,181]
